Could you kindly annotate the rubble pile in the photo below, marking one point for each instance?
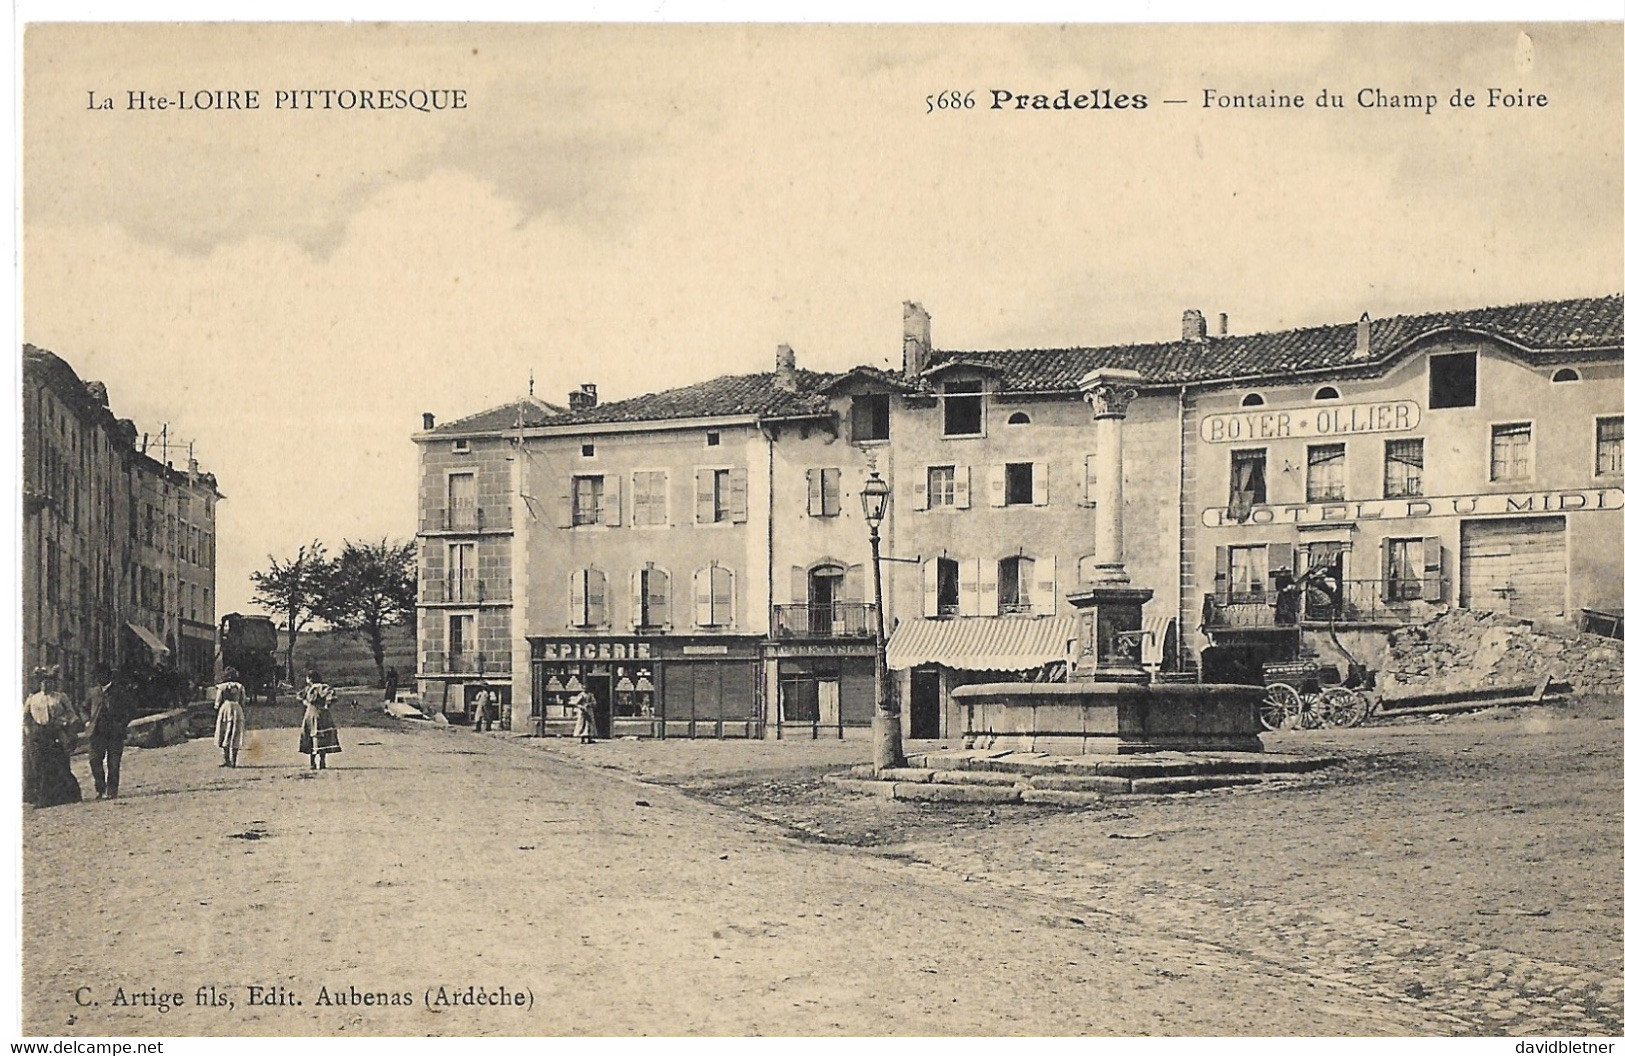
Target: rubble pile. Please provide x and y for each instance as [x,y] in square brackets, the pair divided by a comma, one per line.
[1464,649]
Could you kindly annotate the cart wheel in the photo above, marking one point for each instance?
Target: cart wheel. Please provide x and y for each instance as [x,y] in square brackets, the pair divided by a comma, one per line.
[1340,707]
[1280,701]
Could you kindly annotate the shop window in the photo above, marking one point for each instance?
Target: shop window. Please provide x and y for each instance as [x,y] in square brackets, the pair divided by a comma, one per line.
[1566,374]
[1015,585]
[1509,450]
[1328,392]
[1252,399]
[1402,469]
[713,597]
[962,408]
[1453,380]
[871,417]
[1324,479]
[586,500]
[939,486]
[649,497]
[653,591]
[1609,433]
[823,492]
[1247,482]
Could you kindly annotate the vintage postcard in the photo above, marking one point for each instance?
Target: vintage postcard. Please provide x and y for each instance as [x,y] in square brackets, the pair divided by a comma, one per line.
[808,530]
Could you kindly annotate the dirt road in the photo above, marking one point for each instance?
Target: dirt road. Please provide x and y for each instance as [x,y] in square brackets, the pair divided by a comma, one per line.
[433,859]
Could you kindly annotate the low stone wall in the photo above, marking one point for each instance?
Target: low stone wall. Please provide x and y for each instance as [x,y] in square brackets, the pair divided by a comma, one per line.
[1463,649]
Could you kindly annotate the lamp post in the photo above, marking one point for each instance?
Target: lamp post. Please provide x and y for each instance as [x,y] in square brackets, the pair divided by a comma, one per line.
[888,724]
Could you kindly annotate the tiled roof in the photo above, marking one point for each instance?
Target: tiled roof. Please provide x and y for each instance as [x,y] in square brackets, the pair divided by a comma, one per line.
[528,411]
[1545,326]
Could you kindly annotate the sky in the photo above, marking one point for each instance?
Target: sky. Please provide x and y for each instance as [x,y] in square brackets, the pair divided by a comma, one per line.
[646,206]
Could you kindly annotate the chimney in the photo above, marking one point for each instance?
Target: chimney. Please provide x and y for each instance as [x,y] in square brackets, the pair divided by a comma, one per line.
[1224,323]
[916,340]
[191,470]
[584,398]
[1362,337]
[97,391]
[428,421]
[1193,327]
[784,369]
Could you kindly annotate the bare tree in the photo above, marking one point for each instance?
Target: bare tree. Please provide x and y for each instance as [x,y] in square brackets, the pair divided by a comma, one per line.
[294,589]
[371,587]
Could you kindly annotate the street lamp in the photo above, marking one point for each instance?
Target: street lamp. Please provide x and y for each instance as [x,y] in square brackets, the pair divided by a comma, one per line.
[888,724]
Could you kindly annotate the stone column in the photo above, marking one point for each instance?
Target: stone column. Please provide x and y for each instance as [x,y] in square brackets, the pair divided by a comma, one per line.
[1109,393]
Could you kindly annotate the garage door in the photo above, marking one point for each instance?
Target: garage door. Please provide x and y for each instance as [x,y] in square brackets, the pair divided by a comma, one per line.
[1517,565]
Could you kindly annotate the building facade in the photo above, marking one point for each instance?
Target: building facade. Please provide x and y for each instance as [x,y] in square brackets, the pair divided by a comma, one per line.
[697,559]
[118,544]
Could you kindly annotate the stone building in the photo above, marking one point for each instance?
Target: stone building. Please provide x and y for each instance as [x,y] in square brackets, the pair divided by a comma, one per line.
[697,559]
[118,545]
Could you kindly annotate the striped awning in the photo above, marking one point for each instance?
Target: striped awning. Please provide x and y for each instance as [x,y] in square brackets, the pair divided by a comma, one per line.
[149,639]
[1003,643]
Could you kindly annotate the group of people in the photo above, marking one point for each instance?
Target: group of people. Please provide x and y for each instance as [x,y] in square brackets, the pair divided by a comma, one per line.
[53,726]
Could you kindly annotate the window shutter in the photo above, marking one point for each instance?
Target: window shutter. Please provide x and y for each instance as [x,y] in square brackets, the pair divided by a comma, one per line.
[659,587]
[1432,569]
[612,499]
[722,596]
[578,597]
[1279,555]
[961,487]
[832,492]
[798,585]
[1040,483]
[566,507]
[922,487]
[852,587]
[987,572]
[705,495]
[1044,586]
[738,494]
[634,619]
[995,484]
[1221,570]
[815,496]
[931,568]
[597,598]
[702,597]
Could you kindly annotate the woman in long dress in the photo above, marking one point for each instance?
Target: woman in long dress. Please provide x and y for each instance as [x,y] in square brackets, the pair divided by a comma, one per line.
[230,720]
[49,722]
[318,733]
[586,726]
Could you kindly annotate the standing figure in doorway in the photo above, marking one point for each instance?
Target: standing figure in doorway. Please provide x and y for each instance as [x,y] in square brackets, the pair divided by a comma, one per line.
[230,718]
[49,722]
[586,726]
[482,710]
[318,733]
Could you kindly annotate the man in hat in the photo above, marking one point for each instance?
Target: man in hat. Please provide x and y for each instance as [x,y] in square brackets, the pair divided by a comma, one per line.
[111,703]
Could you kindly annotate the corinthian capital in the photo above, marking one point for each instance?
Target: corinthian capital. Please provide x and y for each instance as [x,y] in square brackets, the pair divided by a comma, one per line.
[1110,401]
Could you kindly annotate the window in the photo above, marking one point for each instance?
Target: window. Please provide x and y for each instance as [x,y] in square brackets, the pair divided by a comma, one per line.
[460,501]
[459,639]
[1018,483]
[589,598]
[1509,451]
[1246,482]
[462,571]
[823,492]
[586,500]
[962,408]
[1252,399]
[1091,483]
[712,439]
[653,591]
[1453,380]
[588,450]
[1406,565]
[713,597]
[871,417]
[1609,434]
[947,575]
[1566,374]
[1402,469]
[1324,480]
[1015,585]
[939,486]
[649,497]
[719,496]
[1328,392]
[1020,418]
[1249,570]
[459,447]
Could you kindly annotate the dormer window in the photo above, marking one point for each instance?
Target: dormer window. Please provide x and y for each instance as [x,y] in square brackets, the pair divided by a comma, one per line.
[962,408]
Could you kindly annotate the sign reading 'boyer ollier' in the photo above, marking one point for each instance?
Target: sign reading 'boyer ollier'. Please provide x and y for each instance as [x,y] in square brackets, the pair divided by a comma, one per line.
[1525,502]
[1388,416]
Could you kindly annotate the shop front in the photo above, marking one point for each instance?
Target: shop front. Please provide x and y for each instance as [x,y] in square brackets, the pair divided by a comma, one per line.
[821,689]
[647,687]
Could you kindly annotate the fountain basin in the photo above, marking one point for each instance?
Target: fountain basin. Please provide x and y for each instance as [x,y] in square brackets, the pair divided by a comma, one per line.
[1109,718]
